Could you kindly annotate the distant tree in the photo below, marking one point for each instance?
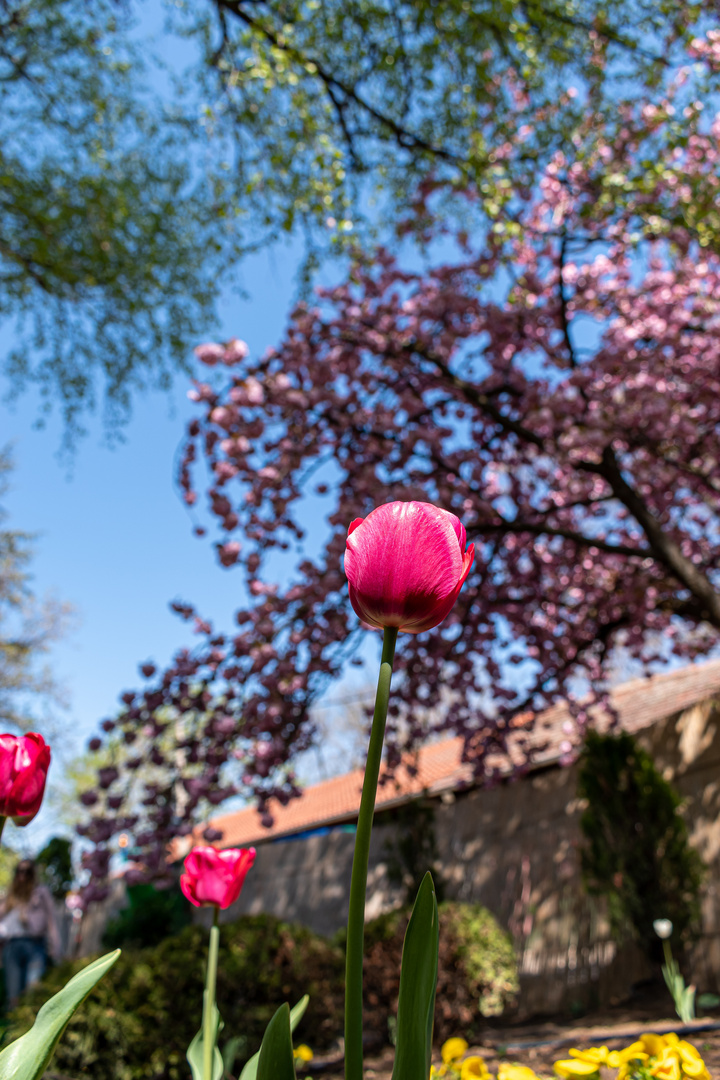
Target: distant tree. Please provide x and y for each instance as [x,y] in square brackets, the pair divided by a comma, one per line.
[9,859]
[55,862]
[336,112]
[28,628]
[151,916]
[636,852]
[110,244]
[120,212]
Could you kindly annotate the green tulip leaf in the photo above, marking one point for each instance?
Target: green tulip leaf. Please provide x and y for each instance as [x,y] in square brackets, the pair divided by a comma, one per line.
[230,1051]
[250,1072]
[276,1061]
[418,982]
[195,1052]
[28,1057]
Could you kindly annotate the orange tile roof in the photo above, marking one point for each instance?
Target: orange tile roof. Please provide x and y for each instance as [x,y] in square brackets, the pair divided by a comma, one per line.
[639,703]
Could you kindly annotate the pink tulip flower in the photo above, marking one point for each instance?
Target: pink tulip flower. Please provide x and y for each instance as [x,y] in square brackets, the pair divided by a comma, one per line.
[24,762]
[214,877]
[406,563]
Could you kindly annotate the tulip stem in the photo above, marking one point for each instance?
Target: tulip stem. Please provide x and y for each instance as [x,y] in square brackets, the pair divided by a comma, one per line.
[358,882]
[2,824]
[668,954]
[209,1025]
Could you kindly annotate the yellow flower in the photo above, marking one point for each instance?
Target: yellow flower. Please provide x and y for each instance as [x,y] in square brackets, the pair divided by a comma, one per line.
[667,1066]
[453,1050]
[655,1044]
[596,1055]
[621,1058]
[575,1067]
[696,1071]
[515,1072]
[302,1053]
[474,1068]
[690,1061]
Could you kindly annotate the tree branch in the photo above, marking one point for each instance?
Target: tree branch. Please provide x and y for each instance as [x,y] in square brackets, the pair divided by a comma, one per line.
[663,547]
[404,138]
[481,401]
[564,321]
[539,529]
[27,264]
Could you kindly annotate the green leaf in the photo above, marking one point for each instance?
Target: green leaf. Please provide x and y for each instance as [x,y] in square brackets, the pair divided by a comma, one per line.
[230,1051]
[418,981]
[296,1014]
[276,1060]
[687,1005]
[195,1052]
[28,1057]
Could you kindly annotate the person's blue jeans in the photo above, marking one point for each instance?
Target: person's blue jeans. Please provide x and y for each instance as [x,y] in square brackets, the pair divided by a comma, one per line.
[24,960]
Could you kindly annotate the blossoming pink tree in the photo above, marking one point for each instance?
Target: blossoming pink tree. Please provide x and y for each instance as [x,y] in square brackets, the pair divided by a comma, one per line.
[557,386]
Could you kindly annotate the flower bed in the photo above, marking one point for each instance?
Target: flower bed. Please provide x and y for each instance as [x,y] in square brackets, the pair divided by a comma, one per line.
[534,1060]
[665,1057]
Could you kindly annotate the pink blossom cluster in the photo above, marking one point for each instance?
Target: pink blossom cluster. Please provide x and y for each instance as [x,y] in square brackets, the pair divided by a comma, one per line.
[558,390]
[707,48]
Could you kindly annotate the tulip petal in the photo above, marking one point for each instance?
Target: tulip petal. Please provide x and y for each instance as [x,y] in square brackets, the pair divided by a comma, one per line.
[215,877]
[186,886]
[405,564]
[24,762]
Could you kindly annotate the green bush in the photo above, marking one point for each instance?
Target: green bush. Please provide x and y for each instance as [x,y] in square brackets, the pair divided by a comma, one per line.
[484,952]
[636,852]
[151,916]
[477,971]
[138,1022]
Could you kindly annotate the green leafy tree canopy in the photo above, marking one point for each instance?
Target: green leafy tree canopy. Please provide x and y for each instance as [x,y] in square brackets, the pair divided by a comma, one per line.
[338,114]
[55,862]
[109,241]
[126,197]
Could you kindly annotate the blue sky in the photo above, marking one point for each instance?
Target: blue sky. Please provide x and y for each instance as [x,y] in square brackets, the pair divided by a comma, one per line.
[113,537]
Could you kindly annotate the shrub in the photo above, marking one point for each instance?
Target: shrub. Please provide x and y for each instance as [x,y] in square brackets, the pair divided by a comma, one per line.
[477,973]
[151,916]
[139,1020]
[637,851]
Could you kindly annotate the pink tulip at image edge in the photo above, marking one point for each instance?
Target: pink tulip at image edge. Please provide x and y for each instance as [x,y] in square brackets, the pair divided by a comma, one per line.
[406,563]
[24,762]
[214,877]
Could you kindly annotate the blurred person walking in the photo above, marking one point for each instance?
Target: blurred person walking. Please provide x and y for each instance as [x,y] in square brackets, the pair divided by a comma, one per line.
[28,929]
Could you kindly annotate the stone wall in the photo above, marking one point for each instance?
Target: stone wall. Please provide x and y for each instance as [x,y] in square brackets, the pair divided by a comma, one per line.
[687,749]
[514,847]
